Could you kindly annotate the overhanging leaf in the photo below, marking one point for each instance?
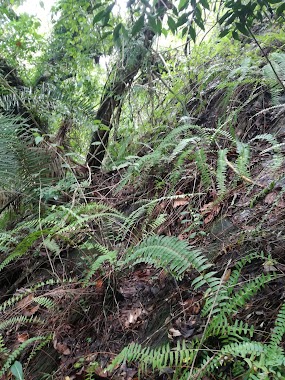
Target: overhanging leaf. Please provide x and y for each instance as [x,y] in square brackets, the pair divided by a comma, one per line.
[138,25]
[17,370]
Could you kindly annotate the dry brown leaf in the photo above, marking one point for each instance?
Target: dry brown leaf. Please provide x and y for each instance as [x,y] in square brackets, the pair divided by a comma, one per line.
[99,371]
[180,202]
[206,208]
[270,198]
[133,316]
[25,301]
[174,332]
[30,310]
[211,210]
[192,305]
[62,349]
[227,275]
[22,337]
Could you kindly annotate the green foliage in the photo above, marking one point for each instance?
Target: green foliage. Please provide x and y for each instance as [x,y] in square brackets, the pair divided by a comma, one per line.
[169,253]
[13,355]
[104,255]
[221,170]
[19,320]
[277,61]
[222,301]
[279,328]
[17,370]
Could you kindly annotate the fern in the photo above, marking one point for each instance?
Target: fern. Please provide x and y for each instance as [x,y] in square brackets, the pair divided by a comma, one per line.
[157,358]
[275,146]
[44,302]
[261,360]
[13,356]
[182,145]
[203,167]
[243,159]
[277,60]
[19,320]
[279,328]
[104,256]
[221,170]
[221,303]
[18,297]
[171,254]
[3,349]
[23,247]
[39,347]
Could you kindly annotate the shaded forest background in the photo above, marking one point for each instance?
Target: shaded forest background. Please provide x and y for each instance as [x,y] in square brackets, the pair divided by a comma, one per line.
[142,191]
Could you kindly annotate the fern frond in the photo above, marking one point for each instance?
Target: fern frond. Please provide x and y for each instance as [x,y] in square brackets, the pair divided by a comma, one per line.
[221,170]
[23,247]
[156,358]
[258,357]
[18,297]
[251,288]
[275,146]
[203,166]
[105,256]
[19,320]
[44,302]
[236,272]
[3,349]
[243,160]
[279,328]
[39,347]
[13,356]
[169,253]
[182,145]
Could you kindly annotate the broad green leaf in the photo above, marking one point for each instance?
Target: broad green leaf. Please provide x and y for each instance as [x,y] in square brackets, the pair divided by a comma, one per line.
[241,28]
[182,19]
[235,35]
[192,33]
[185,31]
[116,32]
[205,4]
[153,23]
[224,17]
[183,4]
[159,27]
[38,139]
[17,370]
[224,32]
[99,16]
[172,24]
[280,9]
[138,25]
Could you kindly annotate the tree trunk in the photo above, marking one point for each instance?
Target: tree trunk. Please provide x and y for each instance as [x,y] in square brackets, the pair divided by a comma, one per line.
[118,83]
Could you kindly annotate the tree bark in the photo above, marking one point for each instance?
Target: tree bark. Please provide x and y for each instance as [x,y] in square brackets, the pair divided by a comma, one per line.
[118,83]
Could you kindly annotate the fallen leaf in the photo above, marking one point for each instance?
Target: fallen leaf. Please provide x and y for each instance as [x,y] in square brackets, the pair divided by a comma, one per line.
[227,275]
[25,301]
[22,337]
[174,332]
[270,198]
[192,305]
[133,316]
[30,310]
[180,202]
[63,349]
[210,210]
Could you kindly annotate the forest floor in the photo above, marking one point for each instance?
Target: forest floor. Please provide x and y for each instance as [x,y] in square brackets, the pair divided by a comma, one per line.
[92,324]
[89,325]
